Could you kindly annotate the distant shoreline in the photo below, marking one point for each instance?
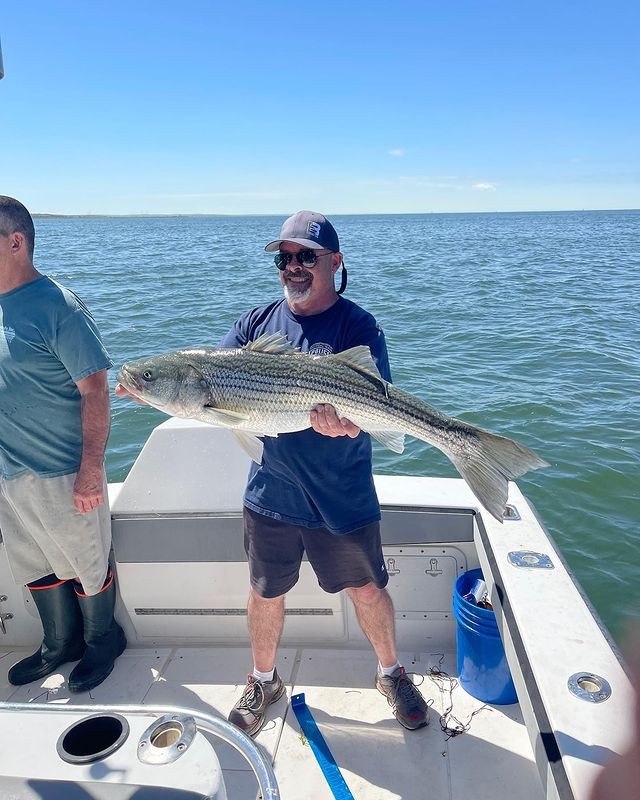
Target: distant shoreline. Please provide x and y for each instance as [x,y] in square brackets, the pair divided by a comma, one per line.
[43,215]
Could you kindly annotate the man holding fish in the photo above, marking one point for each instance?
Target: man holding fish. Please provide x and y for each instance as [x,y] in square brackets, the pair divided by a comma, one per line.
[314,489]
[299,382]
[309,489]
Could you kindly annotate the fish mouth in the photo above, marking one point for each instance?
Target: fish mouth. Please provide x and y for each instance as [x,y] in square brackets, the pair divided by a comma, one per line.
[128,380]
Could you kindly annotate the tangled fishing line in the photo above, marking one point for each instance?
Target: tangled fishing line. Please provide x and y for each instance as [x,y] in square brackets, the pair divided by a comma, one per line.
[450,724]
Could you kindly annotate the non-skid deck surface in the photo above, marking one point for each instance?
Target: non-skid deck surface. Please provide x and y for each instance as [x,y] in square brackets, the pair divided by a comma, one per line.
[378,758]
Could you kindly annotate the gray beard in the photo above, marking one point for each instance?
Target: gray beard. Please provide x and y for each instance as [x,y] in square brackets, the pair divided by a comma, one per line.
[294,296]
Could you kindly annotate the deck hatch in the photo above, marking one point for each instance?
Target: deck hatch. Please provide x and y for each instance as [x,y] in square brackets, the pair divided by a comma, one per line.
[421,579]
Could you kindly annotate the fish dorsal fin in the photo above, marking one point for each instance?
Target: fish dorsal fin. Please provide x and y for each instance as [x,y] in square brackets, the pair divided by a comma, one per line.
[274,343]
[360,359]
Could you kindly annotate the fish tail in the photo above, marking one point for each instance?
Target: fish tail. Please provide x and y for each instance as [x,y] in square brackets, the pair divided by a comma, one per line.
[489,462]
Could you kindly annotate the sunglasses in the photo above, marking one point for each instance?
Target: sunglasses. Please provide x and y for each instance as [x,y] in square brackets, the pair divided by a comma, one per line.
[305,258]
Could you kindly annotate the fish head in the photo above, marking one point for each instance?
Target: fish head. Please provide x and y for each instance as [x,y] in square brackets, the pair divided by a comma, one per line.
[171,382]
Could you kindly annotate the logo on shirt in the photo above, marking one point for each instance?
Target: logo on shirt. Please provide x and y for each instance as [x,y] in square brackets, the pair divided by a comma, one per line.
[320,349]
[9,333]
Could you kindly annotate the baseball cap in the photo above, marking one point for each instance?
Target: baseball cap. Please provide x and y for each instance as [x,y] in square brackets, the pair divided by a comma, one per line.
[309,229]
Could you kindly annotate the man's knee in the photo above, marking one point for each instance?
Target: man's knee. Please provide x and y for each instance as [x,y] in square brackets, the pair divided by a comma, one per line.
[258,599]
[368,594]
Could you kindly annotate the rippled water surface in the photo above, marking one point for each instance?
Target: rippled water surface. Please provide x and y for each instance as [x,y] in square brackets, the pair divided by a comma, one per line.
[526,324]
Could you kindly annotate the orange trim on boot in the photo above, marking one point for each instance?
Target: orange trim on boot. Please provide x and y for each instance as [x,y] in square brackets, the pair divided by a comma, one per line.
[51,586]
[107,583]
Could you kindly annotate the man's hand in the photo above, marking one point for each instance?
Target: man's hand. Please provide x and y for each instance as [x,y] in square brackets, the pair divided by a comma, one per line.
[324,420]
[88,489]
[120,391]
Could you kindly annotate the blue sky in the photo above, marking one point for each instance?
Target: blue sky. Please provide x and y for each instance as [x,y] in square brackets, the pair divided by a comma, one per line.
[268,107]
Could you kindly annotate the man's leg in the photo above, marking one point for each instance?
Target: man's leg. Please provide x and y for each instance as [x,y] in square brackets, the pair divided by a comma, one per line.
[265,617]
[355,562]
[104,638]
[29,551]
[274,552]
[374,610]
[62,641]
[76,546]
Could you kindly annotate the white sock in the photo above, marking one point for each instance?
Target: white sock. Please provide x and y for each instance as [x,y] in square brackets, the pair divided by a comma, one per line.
[388,670]
[263,677]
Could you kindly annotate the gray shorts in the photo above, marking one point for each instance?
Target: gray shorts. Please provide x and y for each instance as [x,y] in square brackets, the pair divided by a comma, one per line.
[275,549]
[44,533]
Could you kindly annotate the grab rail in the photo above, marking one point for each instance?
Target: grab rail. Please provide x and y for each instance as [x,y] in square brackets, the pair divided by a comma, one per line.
[224,730]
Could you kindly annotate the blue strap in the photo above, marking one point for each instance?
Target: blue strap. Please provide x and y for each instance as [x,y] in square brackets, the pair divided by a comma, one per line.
[320,748]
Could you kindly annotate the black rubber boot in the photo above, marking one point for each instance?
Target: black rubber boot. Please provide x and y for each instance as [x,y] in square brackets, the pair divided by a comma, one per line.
[63,631]
[105,639]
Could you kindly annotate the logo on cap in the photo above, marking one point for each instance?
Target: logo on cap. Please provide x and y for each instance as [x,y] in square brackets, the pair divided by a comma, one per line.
[313,228]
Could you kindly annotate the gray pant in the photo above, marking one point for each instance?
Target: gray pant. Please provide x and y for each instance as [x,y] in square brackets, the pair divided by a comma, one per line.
[44,533]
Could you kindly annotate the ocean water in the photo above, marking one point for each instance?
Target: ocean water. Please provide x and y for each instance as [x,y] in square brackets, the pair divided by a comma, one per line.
[525,324]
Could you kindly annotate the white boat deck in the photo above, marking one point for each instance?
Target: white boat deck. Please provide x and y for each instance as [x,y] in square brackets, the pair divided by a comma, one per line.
[182,579]
[379,759]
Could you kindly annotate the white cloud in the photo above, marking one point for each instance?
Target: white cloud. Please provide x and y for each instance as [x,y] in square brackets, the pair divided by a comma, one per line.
[484,187]
[398,152]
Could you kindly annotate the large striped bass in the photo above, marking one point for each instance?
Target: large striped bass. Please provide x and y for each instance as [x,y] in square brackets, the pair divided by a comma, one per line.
[268,387]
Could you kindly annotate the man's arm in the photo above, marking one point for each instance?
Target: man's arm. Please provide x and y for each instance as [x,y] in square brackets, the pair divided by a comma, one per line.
[88,490]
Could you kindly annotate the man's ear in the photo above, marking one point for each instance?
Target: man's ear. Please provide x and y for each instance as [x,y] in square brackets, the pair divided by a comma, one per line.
[17,241]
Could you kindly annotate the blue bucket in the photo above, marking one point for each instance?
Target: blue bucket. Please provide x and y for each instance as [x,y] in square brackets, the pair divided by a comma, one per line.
[483,670]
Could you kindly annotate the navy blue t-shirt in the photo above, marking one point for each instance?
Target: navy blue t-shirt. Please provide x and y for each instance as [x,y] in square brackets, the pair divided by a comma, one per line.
[306,478]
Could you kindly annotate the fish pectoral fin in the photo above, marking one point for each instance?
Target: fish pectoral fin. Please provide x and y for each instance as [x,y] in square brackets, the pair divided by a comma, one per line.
[251,445]
[199,373]
[394,440]
[360,359]
[274,343]
[222,417]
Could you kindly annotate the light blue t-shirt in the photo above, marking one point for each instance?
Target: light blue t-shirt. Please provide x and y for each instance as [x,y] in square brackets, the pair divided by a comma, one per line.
[48,341]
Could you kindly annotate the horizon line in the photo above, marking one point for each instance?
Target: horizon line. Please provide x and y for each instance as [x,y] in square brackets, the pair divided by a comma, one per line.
[44,214]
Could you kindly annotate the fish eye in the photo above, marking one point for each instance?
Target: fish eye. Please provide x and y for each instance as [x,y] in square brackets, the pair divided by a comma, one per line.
[147,375]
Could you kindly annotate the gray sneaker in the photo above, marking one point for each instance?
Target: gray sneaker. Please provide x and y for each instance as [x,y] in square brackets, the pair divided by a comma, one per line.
[409,706]
[249,713]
